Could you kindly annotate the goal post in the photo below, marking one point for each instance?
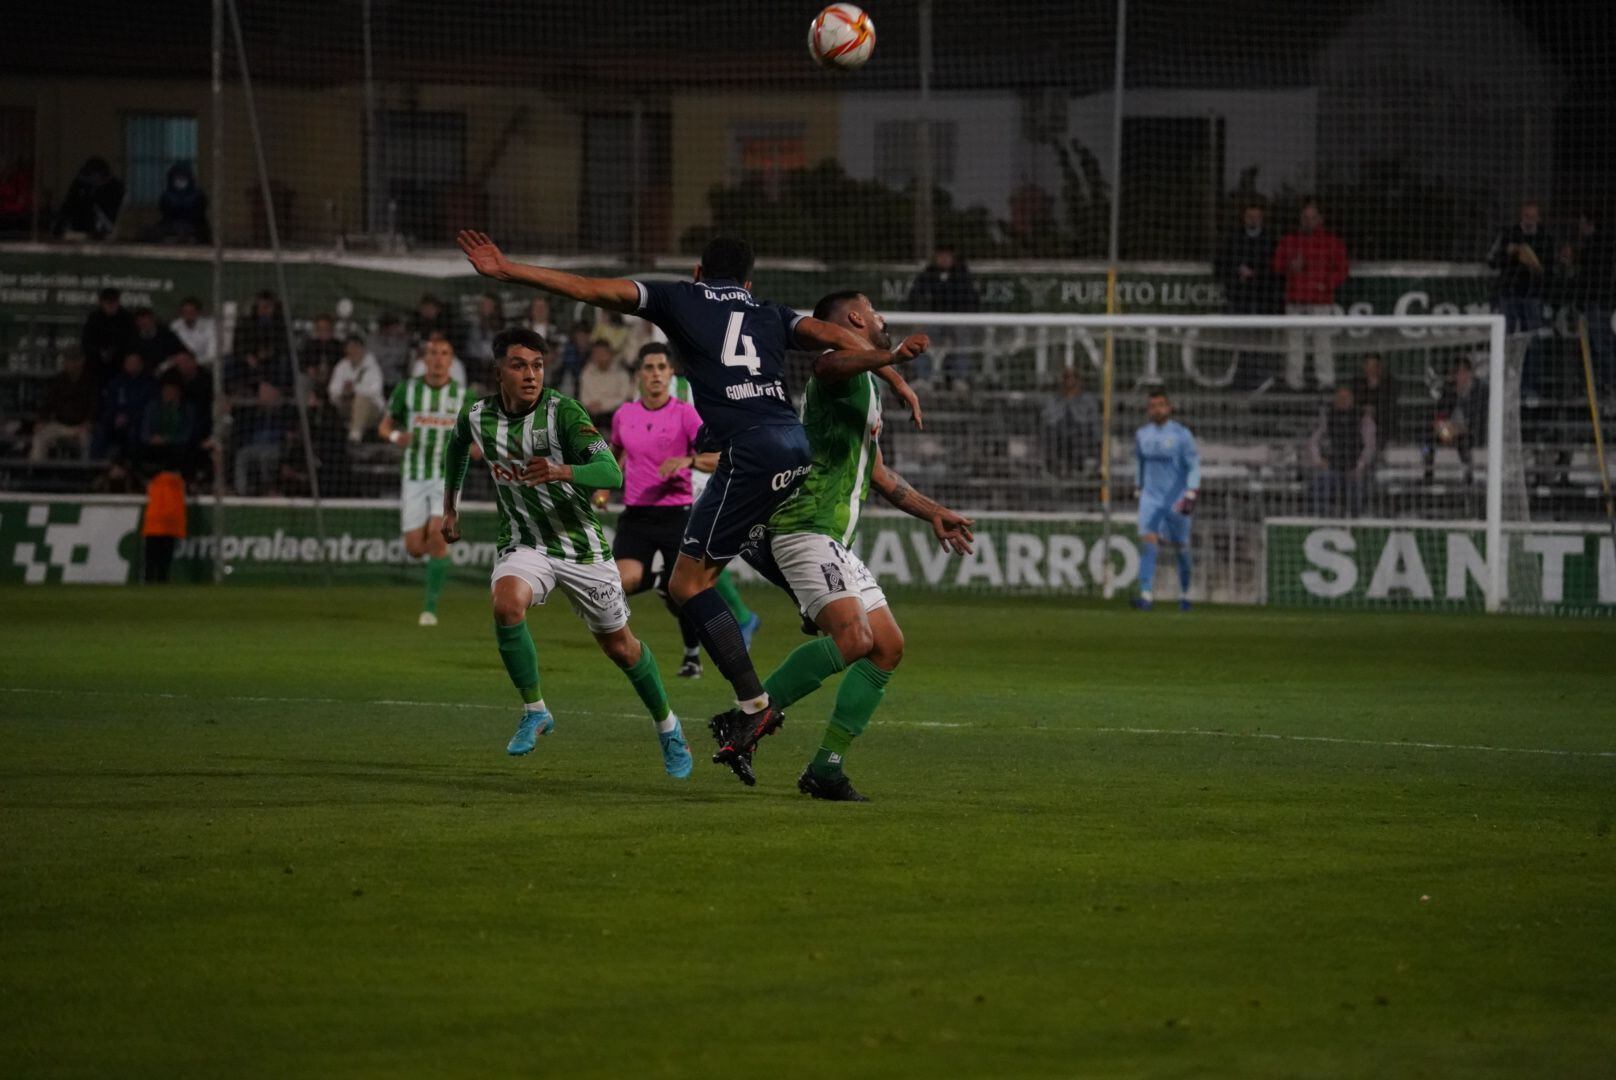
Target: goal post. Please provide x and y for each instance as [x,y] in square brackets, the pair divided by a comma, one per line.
[1259,484]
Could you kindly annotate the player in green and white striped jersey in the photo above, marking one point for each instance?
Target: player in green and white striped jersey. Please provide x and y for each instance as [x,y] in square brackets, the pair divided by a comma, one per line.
[546,459]
[420,418]
[811,537]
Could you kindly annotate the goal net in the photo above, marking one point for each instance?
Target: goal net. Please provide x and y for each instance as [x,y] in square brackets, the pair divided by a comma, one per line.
[1369,463]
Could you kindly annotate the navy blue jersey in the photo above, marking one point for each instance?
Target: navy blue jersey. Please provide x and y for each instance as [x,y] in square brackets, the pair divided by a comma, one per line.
[732,347]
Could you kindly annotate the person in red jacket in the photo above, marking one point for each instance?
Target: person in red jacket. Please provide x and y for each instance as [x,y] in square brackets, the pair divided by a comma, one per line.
[1313,262]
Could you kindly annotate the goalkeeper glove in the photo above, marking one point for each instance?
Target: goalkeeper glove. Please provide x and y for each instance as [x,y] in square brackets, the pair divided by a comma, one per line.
[1186,505]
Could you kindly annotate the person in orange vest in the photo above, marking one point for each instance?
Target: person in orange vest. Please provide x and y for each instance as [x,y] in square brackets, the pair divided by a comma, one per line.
[164,524]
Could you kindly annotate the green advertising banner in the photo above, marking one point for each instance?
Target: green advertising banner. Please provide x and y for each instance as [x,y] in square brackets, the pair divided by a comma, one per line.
[46,284]
[96,540]
[1404,565]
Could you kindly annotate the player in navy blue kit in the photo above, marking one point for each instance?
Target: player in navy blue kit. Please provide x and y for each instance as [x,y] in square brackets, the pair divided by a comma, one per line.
[734,349]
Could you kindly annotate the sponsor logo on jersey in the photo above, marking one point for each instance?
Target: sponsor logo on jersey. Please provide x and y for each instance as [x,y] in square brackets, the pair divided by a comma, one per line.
[783,480]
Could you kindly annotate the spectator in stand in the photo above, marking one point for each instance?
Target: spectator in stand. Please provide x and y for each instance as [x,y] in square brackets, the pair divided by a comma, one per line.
[1342,452]
[538,320]
[108,336]
[390,344]
[90,210]
[357,390]
[1524,255]
[1596,294]
[574,357]
[1376,391]
[169,433]
[603,385]
[17,198]
[490,320]
[183,207]
[196,386]
[67,413]
[610,328]
[1071,425]
[641,332]
[153,341]
[197,332]
[321,352]
[432,317]
[245,372]
[1461,420]
[123,407]
[1244,267]
[261,424]
[945,284]
[263,330]
[1313,261]
[457,370]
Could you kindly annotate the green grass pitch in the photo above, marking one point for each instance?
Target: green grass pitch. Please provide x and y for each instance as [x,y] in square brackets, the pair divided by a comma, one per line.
[273,832]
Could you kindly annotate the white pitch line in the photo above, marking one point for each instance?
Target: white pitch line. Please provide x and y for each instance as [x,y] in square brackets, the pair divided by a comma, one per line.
[1391,744]
[1276,737]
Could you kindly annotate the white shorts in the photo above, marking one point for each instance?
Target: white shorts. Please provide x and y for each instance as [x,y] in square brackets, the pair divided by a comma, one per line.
[419,502]
[821,570]
[595,589]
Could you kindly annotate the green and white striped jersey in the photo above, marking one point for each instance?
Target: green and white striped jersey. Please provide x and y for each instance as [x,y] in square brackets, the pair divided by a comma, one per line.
[843,420]
[428,413]
[557,519]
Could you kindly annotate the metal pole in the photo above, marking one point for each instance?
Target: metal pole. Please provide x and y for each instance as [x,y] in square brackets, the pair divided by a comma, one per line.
[299,382]
[221,408]
[373,200]
[1108,379]
[1497,557]
[925,222]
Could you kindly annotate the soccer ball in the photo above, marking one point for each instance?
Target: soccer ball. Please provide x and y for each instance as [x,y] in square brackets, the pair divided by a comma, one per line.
[842,36]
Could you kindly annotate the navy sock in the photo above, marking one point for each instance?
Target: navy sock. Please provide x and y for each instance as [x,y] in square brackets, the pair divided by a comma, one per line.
[721,634]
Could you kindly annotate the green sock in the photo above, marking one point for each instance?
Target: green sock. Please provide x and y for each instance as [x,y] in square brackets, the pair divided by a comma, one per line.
[732,596]
[801,673]
[648,684]
[521,659]
[861,691]
[437,572]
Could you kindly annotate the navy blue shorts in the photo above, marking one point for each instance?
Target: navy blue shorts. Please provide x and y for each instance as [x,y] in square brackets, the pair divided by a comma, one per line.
[757,471]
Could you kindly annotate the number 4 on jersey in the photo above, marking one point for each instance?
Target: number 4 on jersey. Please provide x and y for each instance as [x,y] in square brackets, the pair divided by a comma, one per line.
[738,348]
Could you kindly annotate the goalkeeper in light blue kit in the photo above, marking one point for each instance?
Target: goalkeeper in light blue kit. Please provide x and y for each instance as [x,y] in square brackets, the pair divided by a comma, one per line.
[1168,482]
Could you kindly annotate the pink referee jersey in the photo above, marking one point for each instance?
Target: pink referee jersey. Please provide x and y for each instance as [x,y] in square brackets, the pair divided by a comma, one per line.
[648,437]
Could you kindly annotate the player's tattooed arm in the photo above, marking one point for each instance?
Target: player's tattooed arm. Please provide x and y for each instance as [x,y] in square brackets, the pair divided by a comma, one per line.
[905,392]
[953,530]
[618,294]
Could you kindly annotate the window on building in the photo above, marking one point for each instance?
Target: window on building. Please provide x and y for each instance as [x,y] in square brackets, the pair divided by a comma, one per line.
[767,150]
[153,142]
[895,151]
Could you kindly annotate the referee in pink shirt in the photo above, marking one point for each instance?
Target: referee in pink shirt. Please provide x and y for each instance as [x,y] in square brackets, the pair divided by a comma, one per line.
[655,442]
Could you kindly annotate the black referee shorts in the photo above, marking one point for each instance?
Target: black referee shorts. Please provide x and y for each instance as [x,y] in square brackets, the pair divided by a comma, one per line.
[643,531]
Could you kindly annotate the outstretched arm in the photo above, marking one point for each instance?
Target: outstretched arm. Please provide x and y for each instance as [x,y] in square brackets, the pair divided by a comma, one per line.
[843,364]
[617,294]
[953,530]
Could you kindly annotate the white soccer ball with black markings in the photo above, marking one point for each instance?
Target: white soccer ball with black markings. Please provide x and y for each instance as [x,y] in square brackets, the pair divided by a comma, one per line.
[841,37]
